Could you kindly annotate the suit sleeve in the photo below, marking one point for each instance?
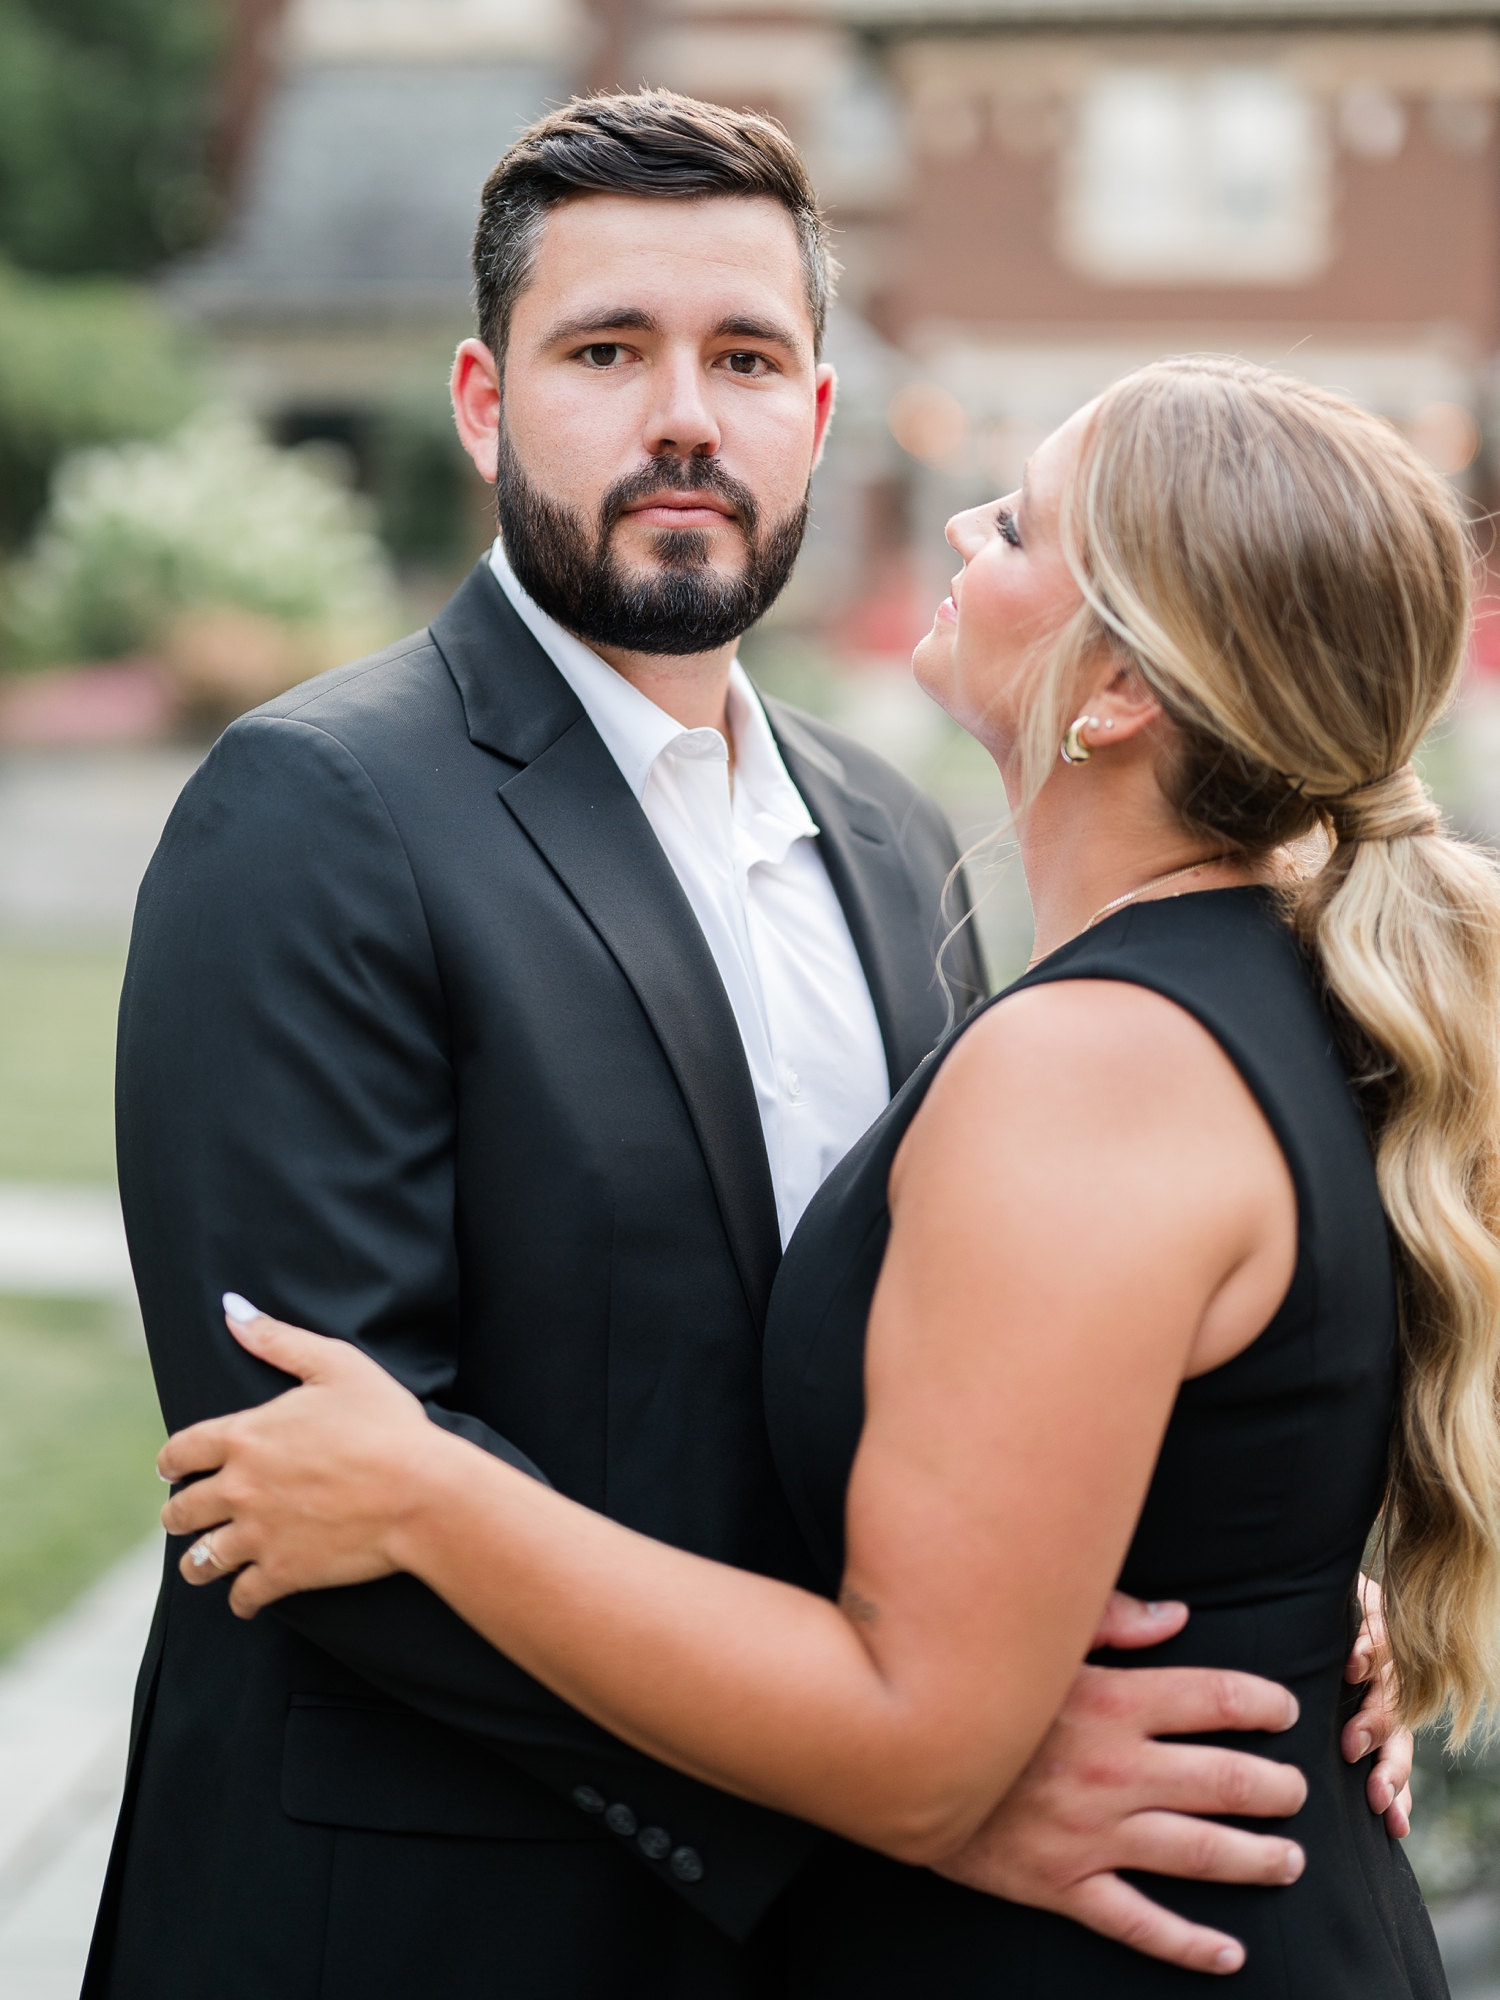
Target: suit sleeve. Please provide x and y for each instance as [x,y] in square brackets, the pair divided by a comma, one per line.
[286,1120]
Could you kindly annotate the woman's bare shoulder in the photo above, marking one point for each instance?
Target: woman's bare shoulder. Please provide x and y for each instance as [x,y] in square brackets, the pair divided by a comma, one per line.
[1100,1038]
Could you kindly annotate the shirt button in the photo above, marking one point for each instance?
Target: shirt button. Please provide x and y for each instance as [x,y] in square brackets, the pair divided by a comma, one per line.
[621,1820]
[687,1864]
[794,1083]
[655,1843]
[587,1799]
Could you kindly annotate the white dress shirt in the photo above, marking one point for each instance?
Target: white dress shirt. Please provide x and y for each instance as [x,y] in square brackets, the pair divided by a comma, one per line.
[743,847]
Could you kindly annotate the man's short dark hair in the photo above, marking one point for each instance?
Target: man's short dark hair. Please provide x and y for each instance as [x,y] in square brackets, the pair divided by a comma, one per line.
[651,142]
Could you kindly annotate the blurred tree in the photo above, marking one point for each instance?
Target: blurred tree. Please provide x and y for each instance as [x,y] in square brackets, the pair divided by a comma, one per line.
[107,120]
[82,361]
[430,505]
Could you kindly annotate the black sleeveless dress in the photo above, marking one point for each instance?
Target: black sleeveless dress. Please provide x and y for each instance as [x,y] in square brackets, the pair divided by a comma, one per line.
[1269,1478]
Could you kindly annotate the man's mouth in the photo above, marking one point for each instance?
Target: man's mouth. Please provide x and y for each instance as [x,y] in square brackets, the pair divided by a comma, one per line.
[680,510]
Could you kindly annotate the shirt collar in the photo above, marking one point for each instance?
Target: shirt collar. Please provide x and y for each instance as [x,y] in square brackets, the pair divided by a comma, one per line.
[767,805]
[635,731]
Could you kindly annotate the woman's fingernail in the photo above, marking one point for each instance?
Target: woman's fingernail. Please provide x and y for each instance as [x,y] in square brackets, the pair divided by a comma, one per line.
[164,1477]
[1361,1746]
[240,1310]
[1296,1860]
[1228,1958]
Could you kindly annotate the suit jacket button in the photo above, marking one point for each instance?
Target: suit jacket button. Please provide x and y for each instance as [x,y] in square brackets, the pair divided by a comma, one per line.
[655,1843]
[687,1864]
[587,1799]
[620,1819]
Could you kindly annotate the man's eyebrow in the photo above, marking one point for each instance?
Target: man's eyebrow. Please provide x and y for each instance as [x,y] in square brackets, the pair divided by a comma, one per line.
[610,319]
[742,328]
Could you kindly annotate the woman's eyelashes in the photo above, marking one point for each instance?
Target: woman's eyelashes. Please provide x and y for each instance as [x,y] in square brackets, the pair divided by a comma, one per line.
[1005,521]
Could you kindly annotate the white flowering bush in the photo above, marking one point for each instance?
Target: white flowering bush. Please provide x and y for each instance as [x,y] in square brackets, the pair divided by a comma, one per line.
[140,540]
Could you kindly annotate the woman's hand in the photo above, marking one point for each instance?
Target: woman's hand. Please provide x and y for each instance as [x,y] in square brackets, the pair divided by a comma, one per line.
[306,1491]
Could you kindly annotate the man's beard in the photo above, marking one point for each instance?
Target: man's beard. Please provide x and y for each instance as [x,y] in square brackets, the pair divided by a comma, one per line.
[687,606]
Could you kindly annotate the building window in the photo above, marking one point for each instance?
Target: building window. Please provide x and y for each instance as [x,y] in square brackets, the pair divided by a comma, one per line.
[1181,177]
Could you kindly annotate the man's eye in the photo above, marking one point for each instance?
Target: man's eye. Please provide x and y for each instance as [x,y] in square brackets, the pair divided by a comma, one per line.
[745,364]
[603,354]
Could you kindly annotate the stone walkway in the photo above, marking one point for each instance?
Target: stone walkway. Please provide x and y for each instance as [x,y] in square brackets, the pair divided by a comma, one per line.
[76,831]
[62,1242]
[64,1724]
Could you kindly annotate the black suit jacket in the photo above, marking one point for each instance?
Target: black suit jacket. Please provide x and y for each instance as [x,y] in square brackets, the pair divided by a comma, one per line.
[421,1045]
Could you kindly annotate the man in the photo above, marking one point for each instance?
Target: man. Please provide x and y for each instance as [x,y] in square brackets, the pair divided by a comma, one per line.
[499,1002]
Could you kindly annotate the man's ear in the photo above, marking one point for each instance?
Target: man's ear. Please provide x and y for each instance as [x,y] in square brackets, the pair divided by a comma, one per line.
[825,392]
[475,388]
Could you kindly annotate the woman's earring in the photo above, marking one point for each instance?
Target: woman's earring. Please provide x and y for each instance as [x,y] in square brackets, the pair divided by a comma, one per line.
[1074,749]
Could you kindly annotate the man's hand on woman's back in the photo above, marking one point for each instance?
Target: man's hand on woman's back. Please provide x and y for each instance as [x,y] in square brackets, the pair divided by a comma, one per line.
[1104,1793]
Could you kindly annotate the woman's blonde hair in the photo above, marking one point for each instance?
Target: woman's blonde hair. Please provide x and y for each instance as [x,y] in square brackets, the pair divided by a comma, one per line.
[1292,581]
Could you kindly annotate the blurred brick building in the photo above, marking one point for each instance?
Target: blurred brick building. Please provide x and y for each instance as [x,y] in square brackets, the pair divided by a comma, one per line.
[1032,196]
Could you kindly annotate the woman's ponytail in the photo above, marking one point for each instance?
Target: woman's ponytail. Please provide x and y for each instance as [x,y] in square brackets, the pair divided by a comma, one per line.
[1404,925]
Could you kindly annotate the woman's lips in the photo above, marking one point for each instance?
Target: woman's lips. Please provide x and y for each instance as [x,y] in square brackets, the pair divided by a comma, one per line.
[948,610]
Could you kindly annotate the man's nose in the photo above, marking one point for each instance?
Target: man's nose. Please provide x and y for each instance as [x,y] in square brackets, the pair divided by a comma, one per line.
[681,420]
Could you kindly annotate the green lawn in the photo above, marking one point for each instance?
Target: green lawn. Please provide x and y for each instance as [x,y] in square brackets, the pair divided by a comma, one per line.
[78,1417]
[79,1428]
[57,1058]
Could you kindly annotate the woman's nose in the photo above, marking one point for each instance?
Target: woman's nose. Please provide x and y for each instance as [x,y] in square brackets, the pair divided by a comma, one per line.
[968,532]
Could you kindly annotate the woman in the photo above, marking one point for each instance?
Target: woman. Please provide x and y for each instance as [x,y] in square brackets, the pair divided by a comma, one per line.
[1108,1292]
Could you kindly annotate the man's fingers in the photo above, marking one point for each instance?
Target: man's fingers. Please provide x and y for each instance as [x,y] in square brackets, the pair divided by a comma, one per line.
[1185,1701]
[1199,1850]
[200,1448]
[1393,1767]
[1392,1773]
[1377,1720]
[1370,1647]
[1106,1904]
[1128,1623]
[1196,1778]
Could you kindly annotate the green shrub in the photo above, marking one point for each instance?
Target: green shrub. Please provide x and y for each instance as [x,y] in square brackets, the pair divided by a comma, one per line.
[137,537]
[82,362]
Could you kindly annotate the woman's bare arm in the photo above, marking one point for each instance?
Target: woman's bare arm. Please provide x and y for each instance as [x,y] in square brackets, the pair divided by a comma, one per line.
[1088,1207]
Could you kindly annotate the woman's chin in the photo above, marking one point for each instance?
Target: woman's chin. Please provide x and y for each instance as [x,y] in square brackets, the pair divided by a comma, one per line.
[929,665]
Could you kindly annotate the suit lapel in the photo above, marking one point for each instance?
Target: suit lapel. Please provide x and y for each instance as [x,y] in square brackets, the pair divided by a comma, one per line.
[861,848]
[576,808]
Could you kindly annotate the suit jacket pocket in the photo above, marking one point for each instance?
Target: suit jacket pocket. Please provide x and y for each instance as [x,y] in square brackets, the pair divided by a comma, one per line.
[390,1770]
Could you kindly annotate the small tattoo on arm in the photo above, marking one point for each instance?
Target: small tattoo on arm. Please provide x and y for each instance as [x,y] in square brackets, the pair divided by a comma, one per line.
[860,1609]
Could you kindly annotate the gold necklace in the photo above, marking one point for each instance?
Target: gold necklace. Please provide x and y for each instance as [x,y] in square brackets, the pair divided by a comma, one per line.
[1156,882]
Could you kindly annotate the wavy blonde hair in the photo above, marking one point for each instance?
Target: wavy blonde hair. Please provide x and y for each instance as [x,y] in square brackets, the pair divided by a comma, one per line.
[1292,582]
